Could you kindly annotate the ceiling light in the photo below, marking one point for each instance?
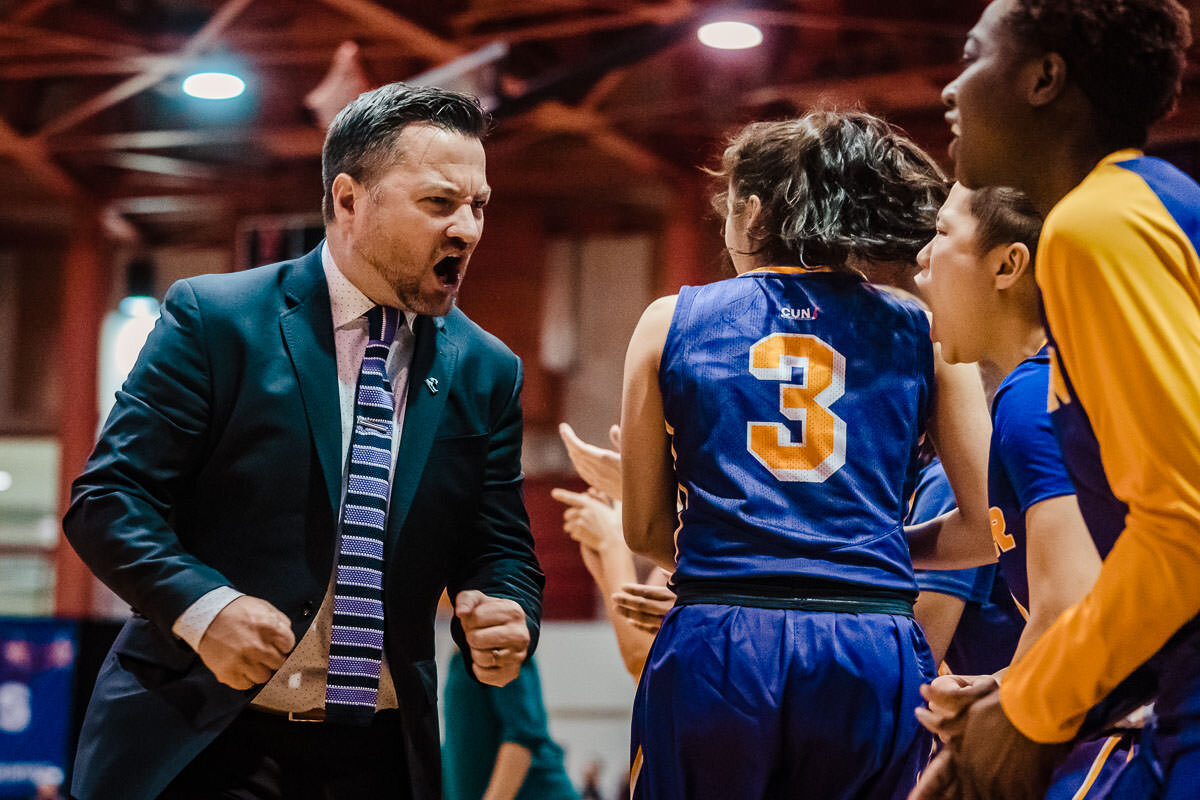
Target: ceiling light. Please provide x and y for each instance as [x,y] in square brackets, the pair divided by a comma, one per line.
[213,85]
[729,35]
[5,481]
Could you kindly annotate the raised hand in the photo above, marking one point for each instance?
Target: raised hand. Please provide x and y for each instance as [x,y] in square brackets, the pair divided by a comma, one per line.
[591,519]
[601,468]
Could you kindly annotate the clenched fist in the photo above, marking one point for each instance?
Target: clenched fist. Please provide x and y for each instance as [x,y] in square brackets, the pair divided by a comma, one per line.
[246,642]
[496,633]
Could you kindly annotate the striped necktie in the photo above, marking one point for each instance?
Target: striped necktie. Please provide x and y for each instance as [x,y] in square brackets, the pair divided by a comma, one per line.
[356,639]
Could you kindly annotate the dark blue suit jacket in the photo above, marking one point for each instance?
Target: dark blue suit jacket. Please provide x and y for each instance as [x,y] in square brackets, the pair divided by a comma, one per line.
[221,463]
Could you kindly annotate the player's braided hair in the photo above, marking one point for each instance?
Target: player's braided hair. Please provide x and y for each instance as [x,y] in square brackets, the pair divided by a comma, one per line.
[1127,56]
[833,185]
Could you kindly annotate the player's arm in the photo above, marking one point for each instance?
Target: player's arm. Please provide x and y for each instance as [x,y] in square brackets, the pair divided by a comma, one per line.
[938,615]
[508,771]
[596,525]
[1131,351]
[960,429]
[1061,562]
[648,483]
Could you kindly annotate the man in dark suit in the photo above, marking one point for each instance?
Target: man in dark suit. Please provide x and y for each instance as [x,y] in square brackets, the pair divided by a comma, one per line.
[225,498]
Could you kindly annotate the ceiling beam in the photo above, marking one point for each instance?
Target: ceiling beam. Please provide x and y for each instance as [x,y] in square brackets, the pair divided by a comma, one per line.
[298,141]
[31,10]
[388,23]
[552,116]
[162,165]
[202,41]
[33,156]
[558,118]
[842,22]
[60,40]
[162,205]
[917,88]
[665,15]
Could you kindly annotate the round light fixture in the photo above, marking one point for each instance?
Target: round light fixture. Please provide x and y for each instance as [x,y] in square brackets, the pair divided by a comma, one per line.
[213,85]
[729,35]
[5,481]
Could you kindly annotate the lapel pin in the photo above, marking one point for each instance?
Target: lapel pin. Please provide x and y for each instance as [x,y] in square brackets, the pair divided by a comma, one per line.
[432,384]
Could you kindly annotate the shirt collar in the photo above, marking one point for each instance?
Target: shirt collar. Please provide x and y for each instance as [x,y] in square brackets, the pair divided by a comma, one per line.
[346,301]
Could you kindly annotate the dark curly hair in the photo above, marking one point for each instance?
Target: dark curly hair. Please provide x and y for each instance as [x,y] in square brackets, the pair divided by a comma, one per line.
[1127,56]
[361,140]
[833,185]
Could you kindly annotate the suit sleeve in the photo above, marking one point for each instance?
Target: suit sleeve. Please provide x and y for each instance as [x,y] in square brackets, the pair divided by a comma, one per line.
[500,560]
[149,449]
[1119,297]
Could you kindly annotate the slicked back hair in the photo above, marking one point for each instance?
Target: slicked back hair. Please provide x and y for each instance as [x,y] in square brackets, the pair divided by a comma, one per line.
[833,185]
[362,139]
[1126,56]
[1004,216]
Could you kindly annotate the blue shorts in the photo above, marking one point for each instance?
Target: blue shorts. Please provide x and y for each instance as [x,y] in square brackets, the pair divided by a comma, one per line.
[748,703]
[1091,769]
[1167,764]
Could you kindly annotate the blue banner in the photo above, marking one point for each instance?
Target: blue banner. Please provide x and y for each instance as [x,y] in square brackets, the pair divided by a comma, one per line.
[37,667]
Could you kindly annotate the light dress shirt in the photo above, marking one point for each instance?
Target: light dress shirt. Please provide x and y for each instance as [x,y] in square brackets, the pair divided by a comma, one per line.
[299,685]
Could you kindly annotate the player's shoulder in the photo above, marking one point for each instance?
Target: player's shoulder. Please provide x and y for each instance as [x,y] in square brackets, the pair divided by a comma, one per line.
[1019,406]
[1122,202]
[1023,392]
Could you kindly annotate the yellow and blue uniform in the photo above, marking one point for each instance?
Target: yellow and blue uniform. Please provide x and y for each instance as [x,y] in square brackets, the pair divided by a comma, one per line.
[791,663]
[1025,467]
[1120,278]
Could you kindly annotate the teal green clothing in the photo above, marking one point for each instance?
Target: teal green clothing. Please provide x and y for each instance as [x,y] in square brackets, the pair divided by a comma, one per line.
[480,718]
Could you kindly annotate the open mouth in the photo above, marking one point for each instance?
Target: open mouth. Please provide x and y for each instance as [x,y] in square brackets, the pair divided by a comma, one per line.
[448,270]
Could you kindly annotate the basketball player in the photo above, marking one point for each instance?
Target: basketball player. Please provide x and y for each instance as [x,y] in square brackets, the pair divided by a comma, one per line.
[1054,98]
[978,280]
[783,408]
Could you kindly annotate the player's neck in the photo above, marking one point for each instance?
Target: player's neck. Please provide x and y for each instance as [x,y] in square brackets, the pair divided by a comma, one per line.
[1061,164]
[1017,338]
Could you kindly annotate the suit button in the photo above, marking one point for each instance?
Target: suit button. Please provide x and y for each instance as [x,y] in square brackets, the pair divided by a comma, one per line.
[307,609]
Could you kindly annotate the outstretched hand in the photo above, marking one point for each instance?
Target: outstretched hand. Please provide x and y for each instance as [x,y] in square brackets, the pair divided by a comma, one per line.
[601,468]
[644,605]
[591,518]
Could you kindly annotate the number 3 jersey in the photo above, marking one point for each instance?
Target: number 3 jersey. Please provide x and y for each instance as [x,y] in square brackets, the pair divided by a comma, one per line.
[795,399]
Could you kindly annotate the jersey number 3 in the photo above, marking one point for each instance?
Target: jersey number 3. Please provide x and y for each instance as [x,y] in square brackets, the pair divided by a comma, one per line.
[820,375]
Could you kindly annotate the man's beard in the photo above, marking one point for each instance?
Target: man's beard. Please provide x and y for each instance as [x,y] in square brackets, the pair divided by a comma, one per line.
[407,289]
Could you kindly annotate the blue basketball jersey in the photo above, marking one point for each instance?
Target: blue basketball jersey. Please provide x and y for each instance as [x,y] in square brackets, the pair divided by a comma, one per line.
[1025,466]
[795,400]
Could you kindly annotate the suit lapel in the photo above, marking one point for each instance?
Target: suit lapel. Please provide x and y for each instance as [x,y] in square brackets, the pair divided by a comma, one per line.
[307,327]
[434,359]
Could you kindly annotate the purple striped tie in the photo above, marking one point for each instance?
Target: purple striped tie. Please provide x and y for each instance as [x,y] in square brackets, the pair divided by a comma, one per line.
[356,640]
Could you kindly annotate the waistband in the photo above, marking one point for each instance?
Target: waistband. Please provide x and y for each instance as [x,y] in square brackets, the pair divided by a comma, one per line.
[805,594]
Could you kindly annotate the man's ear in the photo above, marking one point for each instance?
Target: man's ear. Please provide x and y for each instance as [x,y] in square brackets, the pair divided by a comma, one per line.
[346,193]
[1046,80]
[1016,262]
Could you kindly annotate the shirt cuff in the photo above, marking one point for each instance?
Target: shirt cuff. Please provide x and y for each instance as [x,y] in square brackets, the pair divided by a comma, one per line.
[193,623]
